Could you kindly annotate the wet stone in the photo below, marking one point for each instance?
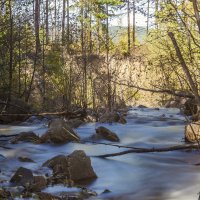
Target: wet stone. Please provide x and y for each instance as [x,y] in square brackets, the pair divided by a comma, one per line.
[106,134]
[59,133]
[25,159]
[72,168]
[22,177]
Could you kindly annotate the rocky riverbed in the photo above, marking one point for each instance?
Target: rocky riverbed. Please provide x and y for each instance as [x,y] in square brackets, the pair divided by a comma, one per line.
[48,169]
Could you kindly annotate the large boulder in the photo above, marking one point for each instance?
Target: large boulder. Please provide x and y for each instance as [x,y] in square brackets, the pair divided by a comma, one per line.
[59,132]
[26,137]
[75,167]
[106,134]
[22,177]
[192,132]
[110,117]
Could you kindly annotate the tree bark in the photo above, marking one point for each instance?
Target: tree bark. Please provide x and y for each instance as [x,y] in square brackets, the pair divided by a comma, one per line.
[196,12]
[10,51]
[129,26]
[185,68]
[47,21]
[37,25]
[63,22]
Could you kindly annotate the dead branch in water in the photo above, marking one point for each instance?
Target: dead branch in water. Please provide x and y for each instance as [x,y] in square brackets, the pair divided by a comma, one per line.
[76,114]
[152,150]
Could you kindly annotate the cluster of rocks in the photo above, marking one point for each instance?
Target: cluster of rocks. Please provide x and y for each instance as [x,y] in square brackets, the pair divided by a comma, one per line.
[70,170]
[59,132]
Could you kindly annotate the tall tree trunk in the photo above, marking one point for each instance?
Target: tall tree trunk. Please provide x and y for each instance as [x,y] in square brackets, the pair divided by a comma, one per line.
[47,21]
[107,61]
[196,12]
[129,26]
[134,26]
[148,12]
[10,51]
[185,68]
[68,36]
[19,54]
[37,24]
[63,22]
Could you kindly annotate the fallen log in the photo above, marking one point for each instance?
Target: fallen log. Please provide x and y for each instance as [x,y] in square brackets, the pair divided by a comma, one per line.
[151,150]
[76,114]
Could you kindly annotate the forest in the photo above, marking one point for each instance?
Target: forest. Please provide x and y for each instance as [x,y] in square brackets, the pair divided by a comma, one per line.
[93,84]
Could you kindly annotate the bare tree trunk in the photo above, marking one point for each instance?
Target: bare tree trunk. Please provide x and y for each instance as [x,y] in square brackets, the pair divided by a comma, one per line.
[47,21]
[185,68]
[84,59]
[19,53]
[107,61]
[63,22]
[134,27]
[37,24]
[196,12]
[10,51]
[68,37]
[148,12]
[129,28]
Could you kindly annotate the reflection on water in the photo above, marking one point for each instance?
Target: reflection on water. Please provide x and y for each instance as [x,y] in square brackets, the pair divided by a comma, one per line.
[152,176]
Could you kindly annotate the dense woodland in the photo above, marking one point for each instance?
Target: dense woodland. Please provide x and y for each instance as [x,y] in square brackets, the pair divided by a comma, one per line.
[60,54]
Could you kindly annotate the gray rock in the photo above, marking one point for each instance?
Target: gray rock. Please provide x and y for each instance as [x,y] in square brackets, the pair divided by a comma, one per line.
[59,132]
[74,167]
[23,177]
[106,134]
[192,132]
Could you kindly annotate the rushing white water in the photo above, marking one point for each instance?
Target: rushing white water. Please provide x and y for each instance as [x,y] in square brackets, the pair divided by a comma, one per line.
[146,176]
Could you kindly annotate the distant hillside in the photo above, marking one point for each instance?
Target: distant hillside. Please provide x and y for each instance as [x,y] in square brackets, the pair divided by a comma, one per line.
[117,31]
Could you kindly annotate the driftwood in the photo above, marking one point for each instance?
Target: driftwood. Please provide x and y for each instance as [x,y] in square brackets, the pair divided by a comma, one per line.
[76,114]
[145,150]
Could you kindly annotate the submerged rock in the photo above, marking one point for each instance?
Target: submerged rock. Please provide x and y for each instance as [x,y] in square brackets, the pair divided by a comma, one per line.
[25,159]
[106,134]
[74,167]
[59,133]
[26,137]
[192,132]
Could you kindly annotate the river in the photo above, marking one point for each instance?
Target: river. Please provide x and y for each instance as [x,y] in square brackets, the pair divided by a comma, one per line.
[145,176]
